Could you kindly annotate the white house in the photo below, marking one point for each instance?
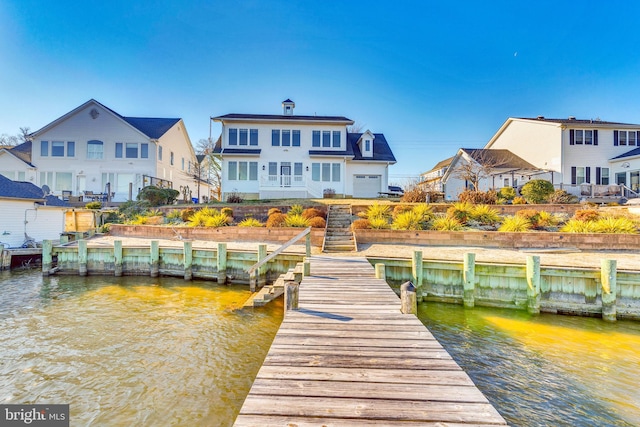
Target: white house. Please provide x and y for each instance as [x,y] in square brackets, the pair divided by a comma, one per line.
[431,180]
[288,156]
[27,212]
[584,157]
[94,149]
[486,169]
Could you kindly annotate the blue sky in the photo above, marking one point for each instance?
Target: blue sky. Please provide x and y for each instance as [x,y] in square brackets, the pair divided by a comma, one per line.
[432,76]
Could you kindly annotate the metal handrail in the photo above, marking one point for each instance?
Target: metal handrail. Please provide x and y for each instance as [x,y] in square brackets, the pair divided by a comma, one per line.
[275,253]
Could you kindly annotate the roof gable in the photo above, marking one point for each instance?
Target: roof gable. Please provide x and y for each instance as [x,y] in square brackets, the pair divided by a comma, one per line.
[498,158]
[22,152]
[152,128]
[381,149]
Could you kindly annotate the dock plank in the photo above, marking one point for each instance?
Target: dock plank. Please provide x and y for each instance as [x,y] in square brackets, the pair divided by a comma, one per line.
[348,357]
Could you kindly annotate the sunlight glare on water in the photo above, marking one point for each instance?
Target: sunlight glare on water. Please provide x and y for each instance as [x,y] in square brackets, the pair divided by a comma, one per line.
[133,350]
[546,370]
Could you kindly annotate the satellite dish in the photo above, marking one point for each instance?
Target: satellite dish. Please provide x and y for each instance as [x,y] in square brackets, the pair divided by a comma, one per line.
[46,190]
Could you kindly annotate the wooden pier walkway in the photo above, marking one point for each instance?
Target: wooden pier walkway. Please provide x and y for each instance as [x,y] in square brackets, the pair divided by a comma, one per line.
[348,357]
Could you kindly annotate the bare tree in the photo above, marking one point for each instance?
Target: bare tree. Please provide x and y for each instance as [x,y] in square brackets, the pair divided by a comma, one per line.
[23,136]
[209,167]
[356,127]
[475,165]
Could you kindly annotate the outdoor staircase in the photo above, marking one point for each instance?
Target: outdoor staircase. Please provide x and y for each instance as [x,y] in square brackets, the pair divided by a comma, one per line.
[338,236]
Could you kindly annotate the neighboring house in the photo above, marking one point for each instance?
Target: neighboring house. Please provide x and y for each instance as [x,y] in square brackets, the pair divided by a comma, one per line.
[288,156]
[26,211]
[431,180]
[486,169]
[94,149]
[15,163]
[584,157]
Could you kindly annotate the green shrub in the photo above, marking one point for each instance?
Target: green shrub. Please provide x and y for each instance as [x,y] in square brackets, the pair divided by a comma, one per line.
[158,196]
[317,222]
[250,222]
[409,220]
[227,211]
[562,197]
[187,213]
[360,224]
[537,191]
[295,210]
[478,197]
[507,193]
[276,220]
[424,212]
[515,224]
[460,211]
[378,223]
[130,209]
[105,228]
[612,225]
[174,215]
[578,226]
[446,223]
[296,220]
[93,205]
[218,220]
[485,214]
[377,210]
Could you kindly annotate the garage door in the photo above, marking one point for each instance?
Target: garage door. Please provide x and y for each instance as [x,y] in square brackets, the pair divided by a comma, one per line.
[366,185]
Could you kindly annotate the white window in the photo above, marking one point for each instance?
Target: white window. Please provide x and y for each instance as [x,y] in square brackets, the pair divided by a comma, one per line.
[95,150]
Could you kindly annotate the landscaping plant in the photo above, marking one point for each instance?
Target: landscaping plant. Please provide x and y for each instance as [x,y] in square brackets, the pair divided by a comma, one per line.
[485,215]
[515,224]
[276,219]
[537,191]
[460,211]
[446,223]
[409,220]
[296,220]
[250,222]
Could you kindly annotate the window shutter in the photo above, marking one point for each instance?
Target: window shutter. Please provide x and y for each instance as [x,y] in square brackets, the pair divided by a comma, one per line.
[595,137]
[638,137]
[587,175]
[572,137]
[573,175]
[615,137]
[598,176]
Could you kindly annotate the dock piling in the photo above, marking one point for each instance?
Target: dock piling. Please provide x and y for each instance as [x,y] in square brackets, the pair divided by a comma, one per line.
[188,260]
[416,270]
[469,279]
[380,271]
[117,258]
[47,258]
[533,284]
[154,265]
[82,257]
[408,300]
[222,263]
[608,278]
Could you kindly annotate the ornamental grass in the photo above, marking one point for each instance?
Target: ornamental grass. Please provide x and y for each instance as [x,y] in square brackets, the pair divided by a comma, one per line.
[446,223]
[250,222]
[515,224]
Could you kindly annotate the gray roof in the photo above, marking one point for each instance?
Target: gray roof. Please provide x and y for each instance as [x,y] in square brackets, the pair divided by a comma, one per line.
[381,150]
[280,117]
[23,152]
[440,165]
[26,190]
[575,121]
[499,158]
[632,153]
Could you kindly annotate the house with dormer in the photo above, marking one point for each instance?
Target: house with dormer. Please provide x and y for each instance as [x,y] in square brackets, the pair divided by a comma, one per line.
[587,158]
[92,150]
[272,156]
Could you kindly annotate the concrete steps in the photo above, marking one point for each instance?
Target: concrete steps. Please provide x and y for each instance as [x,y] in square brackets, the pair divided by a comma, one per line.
[338,235]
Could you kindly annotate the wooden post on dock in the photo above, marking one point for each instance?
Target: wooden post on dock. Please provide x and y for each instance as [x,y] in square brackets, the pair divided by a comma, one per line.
[469,279]
[154,265]
[608,277]
[188,261]
[262,270]
[117,258]
[307,241]
[533,284]
[306,268]
[291,289]
[64,239]
[416,272]
[82,257]
[47,256]
[380,271]
[408,299]
[222,263]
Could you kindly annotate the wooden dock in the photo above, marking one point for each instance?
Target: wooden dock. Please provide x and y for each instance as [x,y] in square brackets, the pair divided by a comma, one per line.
[348,357]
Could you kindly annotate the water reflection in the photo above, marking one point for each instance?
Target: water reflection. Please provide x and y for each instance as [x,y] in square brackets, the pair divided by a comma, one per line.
[547,370]
[131,351]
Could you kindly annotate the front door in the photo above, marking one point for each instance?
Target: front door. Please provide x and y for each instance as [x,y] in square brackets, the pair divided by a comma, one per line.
[285,176]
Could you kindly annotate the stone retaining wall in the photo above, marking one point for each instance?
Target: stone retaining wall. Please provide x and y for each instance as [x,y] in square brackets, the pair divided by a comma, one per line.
[221,234]
[495,239]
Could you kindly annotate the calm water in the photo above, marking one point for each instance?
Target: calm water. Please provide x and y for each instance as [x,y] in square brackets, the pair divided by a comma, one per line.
[547,370]
[165,352]
[131,351]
